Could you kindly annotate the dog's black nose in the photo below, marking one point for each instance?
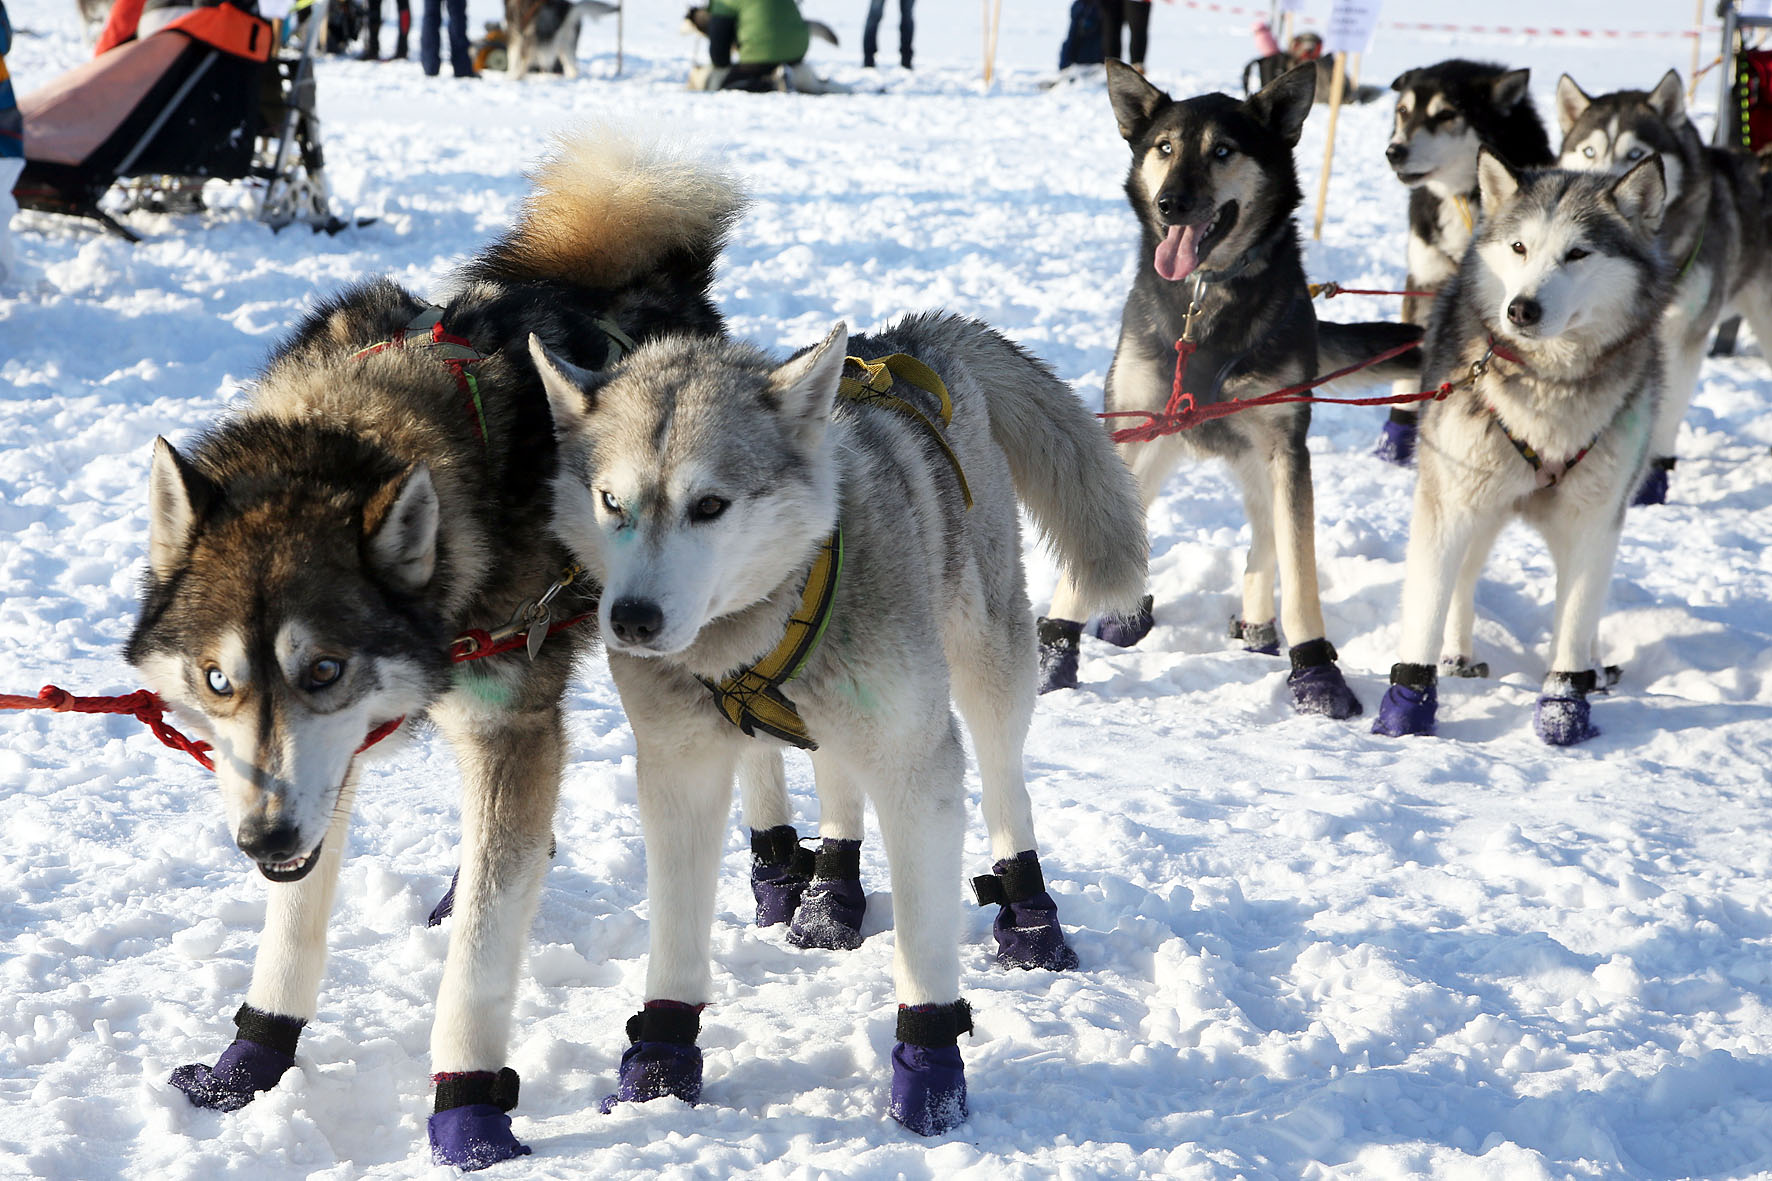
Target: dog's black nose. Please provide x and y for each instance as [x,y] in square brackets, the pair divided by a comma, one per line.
[270,842]
[636,621]
[1397,153]
[1166,204]
[1525,312]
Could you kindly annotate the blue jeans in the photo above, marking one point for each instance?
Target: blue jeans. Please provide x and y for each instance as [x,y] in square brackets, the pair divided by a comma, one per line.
[429,38]
[870,33]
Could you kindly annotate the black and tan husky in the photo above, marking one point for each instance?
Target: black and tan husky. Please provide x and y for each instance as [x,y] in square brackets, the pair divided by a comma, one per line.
[1214,188]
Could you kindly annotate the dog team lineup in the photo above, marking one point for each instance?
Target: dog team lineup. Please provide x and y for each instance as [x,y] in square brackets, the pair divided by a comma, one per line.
[434,515]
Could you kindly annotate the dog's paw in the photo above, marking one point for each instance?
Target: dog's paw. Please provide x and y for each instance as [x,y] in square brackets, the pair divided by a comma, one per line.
[1026,927]
[1410,703]
[830,915]
[654,1070]
[1059,651]
[1260,638]
[244,1070]
[1653,489]
[446,904]
[1123,631]
[1562,715]
[1317,684]
[1463,666]
[929,1081]
[1396,443]
[473,1136]
[780,870]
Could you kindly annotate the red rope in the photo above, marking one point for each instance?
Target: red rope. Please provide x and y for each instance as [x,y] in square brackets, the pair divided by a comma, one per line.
[477,643]
[1182,413]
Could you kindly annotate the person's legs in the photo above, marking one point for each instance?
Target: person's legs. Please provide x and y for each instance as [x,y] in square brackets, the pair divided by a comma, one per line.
[870,32]
[1111,13]
[405,10]
[430,28]
[1138,24]
[371,33]
[459,58]
[907,28]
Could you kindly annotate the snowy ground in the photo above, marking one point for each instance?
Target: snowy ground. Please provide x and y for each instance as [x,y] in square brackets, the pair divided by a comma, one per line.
[1307,951]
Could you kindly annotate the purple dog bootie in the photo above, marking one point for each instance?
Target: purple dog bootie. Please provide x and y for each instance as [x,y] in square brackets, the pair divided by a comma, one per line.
[1396,443]
[1561,717]
[1410,703]
[1317,684]
[469,1127]
[1059,650]
[1263,638]
[1026,926]
[780,869]
[832,907]
[1126,630]
[446,904]
[264,1049]
[662,1058]
[928,1079]
[1653,489]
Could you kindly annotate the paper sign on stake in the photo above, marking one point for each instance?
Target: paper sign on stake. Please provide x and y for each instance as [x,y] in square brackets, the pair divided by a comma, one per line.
[1350,26]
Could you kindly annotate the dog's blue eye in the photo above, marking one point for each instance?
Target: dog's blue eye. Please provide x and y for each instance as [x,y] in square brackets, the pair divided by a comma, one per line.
[218,682]
[1634,154]
[1221,152]
[1588,152]
[612,504]
[324,672]
[707,508]
[1165,148]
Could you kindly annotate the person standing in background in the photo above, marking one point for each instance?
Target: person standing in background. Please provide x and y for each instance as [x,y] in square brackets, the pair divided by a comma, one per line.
[870,33]
[372,34]
[430,49]
[12,147]
[1136,15]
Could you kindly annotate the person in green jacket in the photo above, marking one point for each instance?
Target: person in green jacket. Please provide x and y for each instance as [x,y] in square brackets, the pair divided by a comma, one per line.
[767,34]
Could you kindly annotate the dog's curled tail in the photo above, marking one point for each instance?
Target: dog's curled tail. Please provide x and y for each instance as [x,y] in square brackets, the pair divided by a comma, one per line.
[606,211]
[1066,472]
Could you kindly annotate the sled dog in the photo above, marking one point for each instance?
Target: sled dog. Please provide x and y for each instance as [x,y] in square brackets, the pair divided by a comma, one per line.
[788,557]
[544,34]
[1547,332]
[1714,233]
[1213,186]
[314,558]
[1445,112]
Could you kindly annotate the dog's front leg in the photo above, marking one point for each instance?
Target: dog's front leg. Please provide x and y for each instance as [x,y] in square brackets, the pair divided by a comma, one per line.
[1439,536]
[285,986]
[778,864]
[918,800]
[510,766]
[685,792]
[1457,651]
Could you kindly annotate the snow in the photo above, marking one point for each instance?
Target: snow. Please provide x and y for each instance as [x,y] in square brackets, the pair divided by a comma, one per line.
[1307,951]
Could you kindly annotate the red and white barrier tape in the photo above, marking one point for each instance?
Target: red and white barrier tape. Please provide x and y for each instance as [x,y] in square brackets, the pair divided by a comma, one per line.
[1481,30]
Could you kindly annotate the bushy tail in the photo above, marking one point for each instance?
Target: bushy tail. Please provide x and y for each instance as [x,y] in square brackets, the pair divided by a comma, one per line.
[1066,472]
[605,212]
[1341,345]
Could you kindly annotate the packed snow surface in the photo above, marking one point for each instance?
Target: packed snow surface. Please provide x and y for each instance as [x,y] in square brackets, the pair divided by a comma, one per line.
[1307,951]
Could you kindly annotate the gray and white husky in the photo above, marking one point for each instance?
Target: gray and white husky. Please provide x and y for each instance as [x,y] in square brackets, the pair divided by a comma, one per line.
[1446,112]
[1213,186]
[1547,333]
[1714,233]
[705,485]
[313,557]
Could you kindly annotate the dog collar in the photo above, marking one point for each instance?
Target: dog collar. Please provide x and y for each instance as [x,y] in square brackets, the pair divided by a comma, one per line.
[425,331]
[1548,472]
[751,698]
[872,386]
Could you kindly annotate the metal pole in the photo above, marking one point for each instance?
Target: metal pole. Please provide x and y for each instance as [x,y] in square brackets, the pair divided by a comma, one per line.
[621,11]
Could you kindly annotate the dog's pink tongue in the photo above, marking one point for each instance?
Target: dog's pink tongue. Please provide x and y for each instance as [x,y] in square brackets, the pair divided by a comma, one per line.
[1176,257]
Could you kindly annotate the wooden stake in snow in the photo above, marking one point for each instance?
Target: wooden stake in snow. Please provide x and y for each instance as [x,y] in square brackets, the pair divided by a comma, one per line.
[993,23]
[1337,83]
[621,10]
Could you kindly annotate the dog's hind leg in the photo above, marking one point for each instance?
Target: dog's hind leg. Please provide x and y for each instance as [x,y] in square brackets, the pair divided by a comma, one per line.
[778,864]
[991,666]
[1584,551]
[918,799]
[1457,652]
[834,903]
[685,794]
[510,767]
[285,985]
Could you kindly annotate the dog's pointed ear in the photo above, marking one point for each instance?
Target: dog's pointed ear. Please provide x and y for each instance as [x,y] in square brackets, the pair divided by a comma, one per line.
[1641,195]
[1401,81]
[1496,182]
[569,396]
[1509,88]
[400,528]
[1283,103]
[1668,99]
[178,496]
[1135,101]
[806,385]
[1572,100]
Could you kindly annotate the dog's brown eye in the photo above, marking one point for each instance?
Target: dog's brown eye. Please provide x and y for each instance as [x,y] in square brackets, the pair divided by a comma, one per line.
[707,508]
[1576,255]
[324,672]
[218,682]
[1519,248]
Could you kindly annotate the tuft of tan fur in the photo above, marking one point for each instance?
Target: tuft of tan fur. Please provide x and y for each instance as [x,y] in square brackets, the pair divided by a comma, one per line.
[604,209]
